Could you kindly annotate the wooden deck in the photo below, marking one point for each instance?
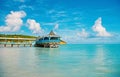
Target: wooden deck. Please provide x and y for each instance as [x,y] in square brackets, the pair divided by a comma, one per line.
[16,42]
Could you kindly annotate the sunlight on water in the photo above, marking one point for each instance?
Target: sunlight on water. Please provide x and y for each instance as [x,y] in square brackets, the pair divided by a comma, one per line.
[65,61]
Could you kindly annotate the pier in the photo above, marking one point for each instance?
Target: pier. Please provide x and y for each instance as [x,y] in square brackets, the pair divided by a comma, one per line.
[4,41]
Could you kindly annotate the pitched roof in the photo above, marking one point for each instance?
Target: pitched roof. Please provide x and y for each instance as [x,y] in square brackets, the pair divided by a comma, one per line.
[52,33]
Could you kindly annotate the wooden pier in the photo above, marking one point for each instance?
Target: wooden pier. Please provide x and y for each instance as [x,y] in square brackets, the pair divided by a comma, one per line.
[16,42]
[17,45]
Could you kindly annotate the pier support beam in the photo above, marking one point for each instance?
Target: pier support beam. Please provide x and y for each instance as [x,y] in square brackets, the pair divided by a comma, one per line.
[4,45]
[11,45]
[30,45]
[18,45]
[24,45]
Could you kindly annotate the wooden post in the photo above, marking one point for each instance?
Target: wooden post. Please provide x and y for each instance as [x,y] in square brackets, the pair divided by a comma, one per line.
[24,45]
[18,45]
[44,45]
[11,45]
[4,45]
[30,45]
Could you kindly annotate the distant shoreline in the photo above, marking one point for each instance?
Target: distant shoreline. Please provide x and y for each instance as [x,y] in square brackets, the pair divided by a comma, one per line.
[16,36]
[22,36]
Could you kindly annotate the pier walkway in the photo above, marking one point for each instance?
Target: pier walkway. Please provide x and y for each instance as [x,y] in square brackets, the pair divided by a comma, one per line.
[16,41]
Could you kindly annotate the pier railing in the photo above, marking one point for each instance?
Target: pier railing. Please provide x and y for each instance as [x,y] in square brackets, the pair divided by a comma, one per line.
[16,41]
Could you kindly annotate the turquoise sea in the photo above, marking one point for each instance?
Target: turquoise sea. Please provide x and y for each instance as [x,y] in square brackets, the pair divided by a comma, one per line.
[72,60]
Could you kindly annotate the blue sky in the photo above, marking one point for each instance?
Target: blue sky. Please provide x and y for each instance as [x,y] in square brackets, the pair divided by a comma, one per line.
[76,21]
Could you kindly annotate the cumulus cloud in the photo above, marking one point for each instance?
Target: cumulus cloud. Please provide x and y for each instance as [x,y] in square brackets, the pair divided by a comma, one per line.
[83,33]
[101,31]
[56,26]
[34,26]
[13,21]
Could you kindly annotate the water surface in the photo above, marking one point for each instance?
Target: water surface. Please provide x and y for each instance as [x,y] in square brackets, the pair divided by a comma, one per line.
[73,60]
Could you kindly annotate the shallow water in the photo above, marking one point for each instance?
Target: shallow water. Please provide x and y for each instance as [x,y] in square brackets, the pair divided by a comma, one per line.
[73,60]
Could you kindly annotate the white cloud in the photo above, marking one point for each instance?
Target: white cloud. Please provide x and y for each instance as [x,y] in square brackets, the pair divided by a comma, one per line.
[83,33]
[101,31]
[26,7]
[56,26]
[13,21]
[34,26]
